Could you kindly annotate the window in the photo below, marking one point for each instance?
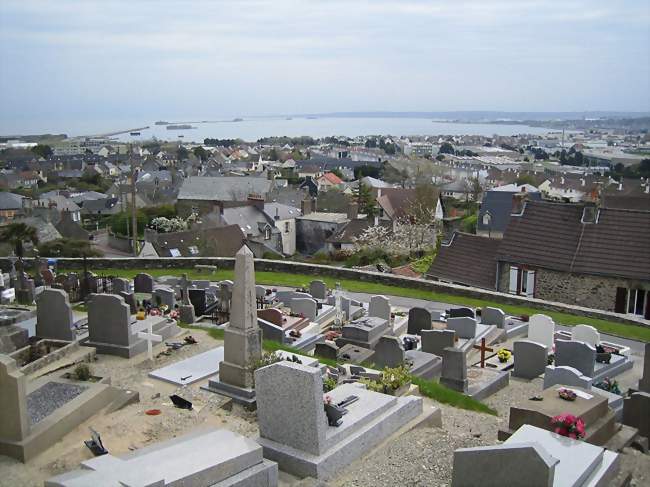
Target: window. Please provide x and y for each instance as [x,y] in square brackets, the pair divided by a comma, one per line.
[287,227]
[522,282]
[267,233]
[194,250]
[633,301]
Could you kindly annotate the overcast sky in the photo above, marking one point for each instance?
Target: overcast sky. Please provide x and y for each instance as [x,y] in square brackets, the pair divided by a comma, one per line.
[145,59]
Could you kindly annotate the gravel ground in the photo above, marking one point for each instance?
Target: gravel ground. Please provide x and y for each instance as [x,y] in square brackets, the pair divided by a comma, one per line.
[50,397]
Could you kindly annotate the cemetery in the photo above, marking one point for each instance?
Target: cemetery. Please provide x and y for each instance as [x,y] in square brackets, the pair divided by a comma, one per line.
[201,381]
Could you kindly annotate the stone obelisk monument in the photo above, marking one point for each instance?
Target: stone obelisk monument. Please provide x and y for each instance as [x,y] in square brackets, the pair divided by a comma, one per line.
[242,336]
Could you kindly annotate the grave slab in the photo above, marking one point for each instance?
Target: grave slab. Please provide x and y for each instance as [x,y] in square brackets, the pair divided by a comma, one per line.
[191,369]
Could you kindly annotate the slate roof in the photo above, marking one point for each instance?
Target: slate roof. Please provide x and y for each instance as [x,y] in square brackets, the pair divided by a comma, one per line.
[467,259]
[232,188]
[552,236]
[498,202]
[285,212]
[354,228]
[10,201]
[216,242]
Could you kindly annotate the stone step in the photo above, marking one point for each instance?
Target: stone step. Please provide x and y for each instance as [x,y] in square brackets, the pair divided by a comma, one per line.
[601,430]
[622,439]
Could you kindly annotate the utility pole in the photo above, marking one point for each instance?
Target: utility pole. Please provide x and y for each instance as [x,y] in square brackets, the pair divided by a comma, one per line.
[134,219]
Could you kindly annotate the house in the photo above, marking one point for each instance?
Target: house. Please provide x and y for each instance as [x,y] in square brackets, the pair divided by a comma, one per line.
[310,171]
[313,228]
[466,259]
[374,184]
[11,205]
[496,206]
[628,194]
[398,203]
[284,219]
[578,254]
[345,237]
[201,194]
[210,242]
[102,206]
[327,181]
[259,229]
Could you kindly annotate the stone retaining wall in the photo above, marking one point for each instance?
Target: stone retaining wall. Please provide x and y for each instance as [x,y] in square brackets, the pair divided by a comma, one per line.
[341,273]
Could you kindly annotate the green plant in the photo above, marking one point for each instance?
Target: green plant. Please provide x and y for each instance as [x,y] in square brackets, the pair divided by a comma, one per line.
[267,358]
[391,380]
[82,372]
[329,383]
[504,355]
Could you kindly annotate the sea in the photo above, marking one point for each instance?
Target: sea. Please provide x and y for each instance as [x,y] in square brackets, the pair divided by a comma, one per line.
[252,129]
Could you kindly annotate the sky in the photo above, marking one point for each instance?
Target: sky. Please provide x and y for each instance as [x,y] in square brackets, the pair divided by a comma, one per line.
[64,61]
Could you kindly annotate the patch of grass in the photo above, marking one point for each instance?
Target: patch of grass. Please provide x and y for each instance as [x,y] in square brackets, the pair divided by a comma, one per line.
[633,332]
[440,393]
[216,333]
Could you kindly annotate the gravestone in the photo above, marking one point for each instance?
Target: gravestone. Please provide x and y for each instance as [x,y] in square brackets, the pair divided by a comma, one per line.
[380,307]
[579,355]
[198,300]
[587,334]
[225,295]
[54,318]
[419,319]
[644,382]
[493,316]
[565,376]
[272,315]
[364,332]
[636,412]
[306,307]
[461,313]
[435,341]
[541,329]
[531,359]
[242,336]
[346,307]
[201,284]
[271,331]
[14,420]
[166,295]
[184,284]
[143,283]
[109,320]
[260,292]
[326,350]
[121,285]
[318,289]
[186,312]
[463,326]
[205,457]
[129,298]
[454,369]
[389,352]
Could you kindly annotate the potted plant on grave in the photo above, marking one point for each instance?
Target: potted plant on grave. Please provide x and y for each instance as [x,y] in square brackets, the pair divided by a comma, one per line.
[504,355]
[394,381]
[567,394]
[568,425]
[609,385]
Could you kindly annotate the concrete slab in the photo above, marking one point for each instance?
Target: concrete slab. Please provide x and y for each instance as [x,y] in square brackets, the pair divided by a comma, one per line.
[192,369]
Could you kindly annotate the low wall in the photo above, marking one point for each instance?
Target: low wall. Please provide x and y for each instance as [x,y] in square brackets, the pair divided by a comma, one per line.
[316,270]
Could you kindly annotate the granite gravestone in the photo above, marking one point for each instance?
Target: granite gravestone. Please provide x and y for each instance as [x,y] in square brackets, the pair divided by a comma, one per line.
[461,313]
[143,283]
[419,319]
[165,296]
[541,329]
[587,334]
[186,313]
[109,321]
[579,355]
[493,316]
[242,336]
[54,318]
[198,300]
[364,332]
[272,315]
[380,307]
[389,352]
[129,298]
[326,350]
[435,341]
[121,285]
[225,295]
[531,359]
[318,289]
[306,307]
[565,376]
[464,327]
[636,412]
[454,369]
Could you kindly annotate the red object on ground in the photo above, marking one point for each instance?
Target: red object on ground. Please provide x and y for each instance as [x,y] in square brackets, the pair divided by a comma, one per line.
[152,412]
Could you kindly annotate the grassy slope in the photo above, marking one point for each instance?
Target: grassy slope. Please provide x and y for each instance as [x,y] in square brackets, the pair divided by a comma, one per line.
[302,280]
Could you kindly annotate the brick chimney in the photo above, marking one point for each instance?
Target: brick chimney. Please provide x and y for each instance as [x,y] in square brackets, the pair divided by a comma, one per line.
[518,201]
[353,211]
[256,200]
[306,206]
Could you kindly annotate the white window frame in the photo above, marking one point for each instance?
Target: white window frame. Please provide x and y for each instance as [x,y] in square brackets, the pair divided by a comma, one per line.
[632,300]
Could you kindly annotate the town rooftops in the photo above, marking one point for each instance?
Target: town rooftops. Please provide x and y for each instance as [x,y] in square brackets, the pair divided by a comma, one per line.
[355,229]
[320,216]
[227,188]
[10,201]
[467,259]
[562,237]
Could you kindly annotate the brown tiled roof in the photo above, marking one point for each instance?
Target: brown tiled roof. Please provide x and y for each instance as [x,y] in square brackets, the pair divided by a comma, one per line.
[552,236]
[627,202]
[468,259]
[396,201]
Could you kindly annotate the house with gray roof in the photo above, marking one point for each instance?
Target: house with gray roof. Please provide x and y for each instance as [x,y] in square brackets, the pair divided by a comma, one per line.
[497,204]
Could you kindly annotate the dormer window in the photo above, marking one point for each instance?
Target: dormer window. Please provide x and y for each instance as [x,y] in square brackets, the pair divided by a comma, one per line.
[267,233]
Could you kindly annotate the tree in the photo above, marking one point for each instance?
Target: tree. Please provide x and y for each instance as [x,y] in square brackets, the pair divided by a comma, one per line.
[365,200]
[42,150]
[440,157]
[201,153]
[362,171]
[182,153]
[66,247]
[17,234]
[446,148]
[273,155]
[338,172]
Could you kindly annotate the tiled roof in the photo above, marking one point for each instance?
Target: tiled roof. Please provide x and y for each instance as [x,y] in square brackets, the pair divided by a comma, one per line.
[332,178]
[552,236]
[212,242]
[233,188]
[468,259]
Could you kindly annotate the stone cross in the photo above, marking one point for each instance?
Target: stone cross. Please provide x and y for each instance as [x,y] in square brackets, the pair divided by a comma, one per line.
[185,284]
[483,349]
[338,294]
[145,331]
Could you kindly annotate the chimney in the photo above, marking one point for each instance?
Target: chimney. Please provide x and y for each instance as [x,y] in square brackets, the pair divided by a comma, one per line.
[582,181]
[277,214]
[518,202]
[620,186]
[353,211]
[256,200]
[376,220]
[306,206]
[378,192]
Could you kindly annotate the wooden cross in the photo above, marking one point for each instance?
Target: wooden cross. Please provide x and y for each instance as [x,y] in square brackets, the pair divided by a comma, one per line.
[483,349]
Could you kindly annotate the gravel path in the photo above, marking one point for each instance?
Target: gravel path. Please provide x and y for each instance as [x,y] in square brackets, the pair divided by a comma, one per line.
[50,397]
